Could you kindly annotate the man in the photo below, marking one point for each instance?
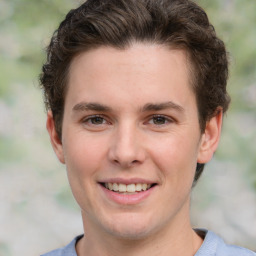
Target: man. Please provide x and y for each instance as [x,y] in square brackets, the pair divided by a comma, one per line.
[135,92]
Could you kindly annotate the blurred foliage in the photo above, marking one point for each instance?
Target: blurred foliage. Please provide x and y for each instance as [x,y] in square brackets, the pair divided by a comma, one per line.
[234,21]
[23,26]
[25,29]
[4,250]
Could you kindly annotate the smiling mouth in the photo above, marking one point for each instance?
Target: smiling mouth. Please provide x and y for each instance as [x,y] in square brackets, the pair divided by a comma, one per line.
[130,188]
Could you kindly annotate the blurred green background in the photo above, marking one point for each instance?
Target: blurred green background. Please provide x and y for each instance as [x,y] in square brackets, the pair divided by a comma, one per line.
[37,211]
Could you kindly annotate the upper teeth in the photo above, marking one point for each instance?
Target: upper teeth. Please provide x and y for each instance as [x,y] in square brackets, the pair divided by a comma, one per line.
[131,188]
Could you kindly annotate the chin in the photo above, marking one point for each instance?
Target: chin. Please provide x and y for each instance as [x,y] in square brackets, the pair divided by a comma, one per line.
[129,233]
[130,228]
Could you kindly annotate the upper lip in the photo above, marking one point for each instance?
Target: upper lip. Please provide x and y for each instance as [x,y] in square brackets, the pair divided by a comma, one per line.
[127,181]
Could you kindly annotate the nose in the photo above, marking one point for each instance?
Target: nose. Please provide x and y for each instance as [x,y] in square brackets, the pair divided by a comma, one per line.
[126,147]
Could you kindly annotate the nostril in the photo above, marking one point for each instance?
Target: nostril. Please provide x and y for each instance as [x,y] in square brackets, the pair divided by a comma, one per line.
[126,163]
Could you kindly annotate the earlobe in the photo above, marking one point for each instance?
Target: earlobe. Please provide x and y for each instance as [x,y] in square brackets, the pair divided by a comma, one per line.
[210,138]
[55,140]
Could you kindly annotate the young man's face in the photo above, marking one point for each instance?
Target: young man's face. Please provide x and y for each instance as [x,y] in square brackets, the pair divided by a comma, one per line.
[131,124]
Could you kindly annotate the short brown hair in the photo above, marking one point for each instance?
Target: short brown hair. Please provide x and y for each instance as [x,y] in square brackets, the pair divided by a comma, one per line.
[180,24]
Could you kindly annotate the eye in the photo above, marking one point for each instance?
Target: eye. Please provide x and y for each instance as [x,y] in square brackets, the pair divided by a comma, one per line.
[160,120]
[94,120]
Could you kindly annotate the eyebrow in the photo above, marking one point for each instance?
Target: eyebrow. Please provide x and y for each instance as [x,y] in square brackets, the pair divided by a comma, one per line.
[84,106]
[162,106]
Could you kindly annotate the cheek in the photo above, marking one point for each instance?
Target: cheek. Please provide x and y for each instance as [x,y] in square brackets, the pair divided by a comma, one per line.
[176,156]
[83,160]
[83,155]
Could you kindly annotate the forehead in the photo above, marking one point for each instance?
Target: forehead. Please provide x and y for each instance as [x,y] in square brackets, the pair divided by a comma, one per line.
[154,71]
[139,54]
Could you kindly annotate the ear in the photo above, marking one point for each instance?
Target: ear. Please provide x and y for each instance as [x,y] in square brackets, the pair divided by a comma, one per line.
[210,138]
[55,140]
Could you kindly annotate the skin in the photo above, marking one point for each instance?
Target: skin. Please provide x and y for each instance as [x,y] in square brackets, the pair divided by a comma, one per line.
[146,128]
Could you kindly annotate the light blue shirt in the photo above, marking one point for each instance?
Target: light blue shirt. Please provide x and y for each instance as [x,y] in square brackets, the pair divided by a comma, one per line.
[213,245]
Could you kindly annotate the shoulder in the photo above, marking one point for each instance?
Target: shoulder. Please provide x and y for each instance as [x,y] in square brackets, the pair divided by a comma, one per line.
[213,245]
[68,250]
[231,250]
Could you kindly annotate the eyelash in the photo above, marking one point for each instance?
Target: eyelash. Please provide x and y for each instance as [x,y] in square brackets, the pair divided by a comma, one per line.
[89,120]
[163,117]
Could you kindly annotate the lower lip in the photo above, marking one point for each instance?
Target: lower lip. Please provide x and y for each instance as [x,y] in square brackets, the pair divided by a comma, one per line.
[127,199]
